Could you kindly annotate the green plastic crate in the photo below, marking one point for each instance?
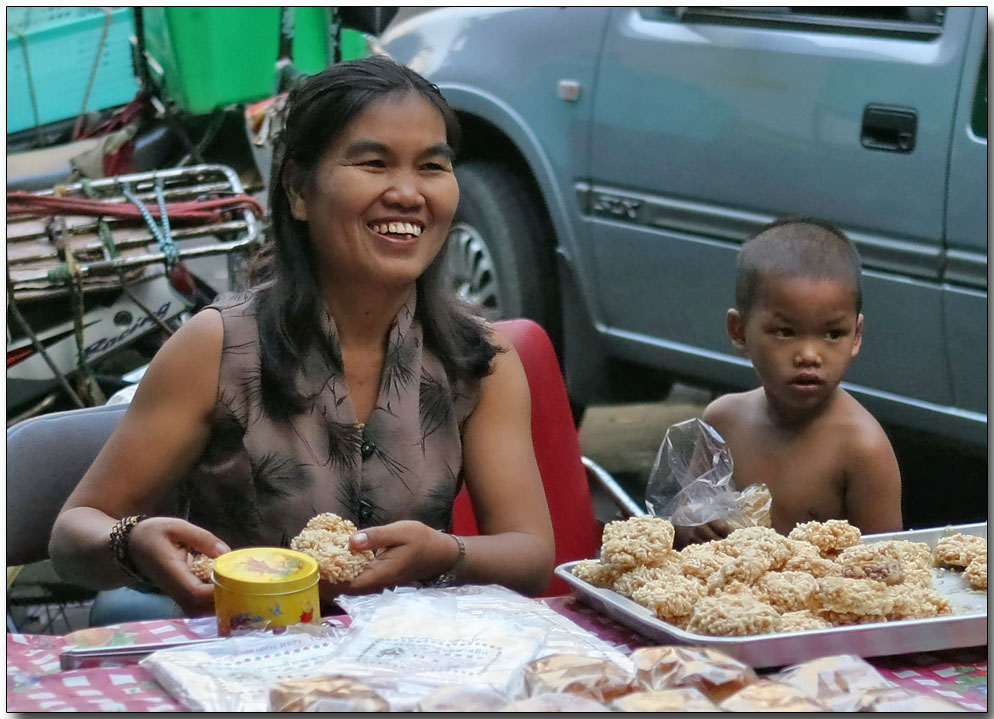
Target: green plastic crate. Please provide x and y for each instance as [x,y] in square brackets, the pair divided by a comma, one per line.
[214,56]
[61,46]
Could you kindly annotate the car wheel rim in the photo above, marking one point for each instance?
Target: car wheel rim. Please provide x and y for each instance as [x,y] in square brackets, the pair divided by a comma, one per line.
[470,268]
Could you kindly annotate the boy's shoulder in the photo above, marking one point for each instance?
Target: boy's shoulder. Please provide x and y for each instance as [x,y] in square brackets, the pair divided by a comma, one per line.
[735,401]
[861,428]
[733,408]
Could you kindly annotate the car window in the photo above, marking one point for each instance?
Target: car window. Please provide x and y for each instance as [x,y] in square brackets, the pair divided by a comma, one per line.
[913,23]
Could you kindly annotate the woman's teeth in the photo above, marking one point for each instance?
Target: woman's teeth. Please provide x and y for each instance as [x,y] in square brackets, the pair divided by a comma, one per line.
[396,228]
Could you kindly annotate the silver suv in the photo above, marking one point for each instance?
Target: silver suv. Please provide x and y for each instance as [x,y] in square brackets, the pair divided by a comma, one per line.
[617,158]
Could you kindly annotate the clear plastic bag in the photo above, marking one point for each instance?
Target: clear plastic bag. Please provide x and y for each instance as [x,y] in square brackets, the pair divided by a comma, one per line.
[691,481]
[490,602]
[401,646]
[236,673]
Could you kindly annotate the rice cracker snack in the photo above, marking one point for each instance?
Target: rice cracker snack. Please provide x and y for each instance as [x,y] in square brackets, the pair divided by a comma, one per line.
[202,566]
[958,550]
[326,539]
[640,540]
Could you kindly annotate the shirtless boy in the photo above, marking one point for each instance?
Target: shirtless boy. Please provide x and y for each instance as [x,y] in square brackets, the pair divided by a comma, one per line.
[797,317]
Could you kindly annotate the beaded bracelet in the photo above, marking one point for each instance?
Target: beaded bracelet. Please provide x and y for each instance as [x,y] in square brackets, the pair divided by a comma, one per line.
[119,544]
[446,579]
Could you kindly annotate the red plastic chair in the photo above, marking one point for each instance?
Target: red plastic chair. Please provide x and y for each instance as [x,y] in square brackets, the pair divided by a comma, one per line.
[557,449]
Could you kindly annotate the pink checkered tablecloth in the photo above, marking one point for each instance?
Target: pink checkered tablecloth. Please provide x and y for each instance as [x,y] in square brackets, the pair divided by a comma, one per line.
[35,682]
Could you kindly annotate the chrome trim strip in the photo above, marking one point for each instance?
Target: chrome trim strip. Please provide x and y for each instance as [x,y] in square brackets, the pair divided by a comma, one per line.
[732,359]
[966,268]
[710,222]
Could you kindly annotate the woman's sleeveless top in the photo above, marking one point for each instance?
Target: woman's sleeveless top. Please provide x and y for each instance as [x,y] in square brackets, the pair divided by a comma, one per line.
[260,479]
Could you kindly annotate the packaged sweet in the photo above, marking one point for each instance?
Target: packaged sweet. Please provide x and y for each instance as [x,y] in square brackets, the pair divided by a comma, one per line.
[691,481]
[838,681]
[597,679]
[899,699]
[464,698]
[771,696]
[555,703]
[665,700]
[713,673]
[325,694]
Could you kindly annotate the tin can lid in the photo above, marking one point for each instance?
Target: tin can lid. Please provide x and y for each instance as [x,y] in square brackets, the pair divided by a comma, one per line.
[265,570]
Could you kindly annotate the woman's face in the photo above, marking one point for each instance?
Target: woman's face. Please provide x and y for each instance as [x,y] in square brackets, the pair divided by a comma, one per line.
[380,203]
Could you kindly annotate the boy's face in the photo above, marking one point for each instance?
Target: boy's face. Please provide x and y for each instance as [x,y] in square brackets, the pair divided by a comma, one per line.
[801,335]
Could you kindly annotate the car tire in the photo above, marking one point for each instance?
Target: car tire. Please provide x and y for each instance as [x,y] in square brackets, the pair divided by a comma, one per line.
[500,248]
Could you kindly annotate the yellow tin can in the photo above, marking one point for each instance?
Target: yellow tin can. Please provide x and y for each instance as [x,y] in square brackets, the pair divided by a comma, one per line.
[265,587]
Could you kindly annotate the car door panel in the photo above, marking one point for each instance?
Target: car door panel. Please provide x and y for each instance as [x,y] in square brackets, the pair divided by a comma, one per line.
[766,122]
[965,272]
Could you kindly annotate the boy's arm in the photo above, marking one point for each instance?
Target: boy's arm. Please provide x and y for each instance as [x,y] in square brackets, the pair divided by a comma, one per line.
[873,482]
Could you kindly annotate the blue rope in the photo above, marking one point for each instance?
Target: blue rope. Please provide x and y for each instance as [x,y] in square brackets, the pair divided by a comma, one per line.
[162,233]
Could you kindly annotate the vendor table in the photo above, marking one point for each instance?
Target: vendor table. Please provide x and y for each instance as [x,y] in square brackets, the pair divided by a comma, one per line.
[35,681]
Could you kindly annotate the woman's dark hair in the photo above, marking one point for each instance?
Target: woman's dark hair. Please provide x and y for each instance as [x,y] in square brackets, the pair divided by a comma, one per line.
[318,110]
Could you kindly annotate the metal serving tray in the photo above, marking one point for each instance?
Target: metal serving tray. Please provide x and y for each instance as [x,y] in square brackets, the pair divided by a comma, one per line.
[965,627]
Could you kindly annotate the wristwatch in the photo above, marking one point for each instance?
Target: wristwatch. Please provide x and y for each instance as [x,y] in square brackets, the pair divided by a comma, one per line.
[448,578]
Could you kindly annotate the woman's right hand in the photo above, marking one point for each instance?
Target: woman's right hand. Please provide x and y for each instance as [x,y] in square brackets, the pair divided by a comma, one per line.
[158,547]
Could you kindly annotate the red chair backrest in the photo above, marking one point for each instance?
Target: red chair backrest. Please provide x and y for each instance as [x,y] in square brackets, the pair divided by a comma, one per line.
[557,449]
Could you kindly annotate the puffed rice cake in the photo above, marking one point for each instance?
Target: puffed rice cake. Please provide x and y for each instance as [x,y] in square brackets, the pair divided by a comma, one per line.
[326,538]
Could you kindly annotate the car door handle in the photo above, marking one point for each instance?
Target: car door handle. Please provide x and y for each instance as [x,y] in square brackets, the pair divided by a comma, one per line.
[889,128]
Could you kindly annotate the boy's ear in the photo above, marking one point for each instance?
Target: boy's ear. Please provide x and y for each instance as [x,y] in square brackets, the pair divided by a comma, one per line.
[293,187]
[736,330]
[857,336]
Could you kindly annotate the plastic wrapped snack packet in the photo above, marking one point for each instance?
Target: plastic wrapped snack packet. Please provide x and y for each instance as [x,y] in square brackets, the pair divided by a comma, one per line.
[555,703]
[771,696]
[464,698]
[597,679]
[691,481]
[713,673]
[838,682]
[325,694]
[665,700]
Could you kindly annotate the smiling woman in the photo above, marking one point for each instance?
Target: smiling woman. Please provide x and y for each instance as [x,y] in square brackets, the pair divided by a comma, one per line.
[351,383]
[379,204]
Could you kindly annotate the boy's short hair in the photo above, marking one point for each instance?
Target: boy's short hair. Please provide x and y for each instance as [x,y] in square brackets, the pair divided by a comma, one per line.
[796,247]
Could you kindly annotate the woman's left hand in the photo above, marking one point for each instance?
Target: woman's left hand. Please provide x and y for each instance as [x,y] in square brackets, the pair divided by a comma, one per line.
[405,552]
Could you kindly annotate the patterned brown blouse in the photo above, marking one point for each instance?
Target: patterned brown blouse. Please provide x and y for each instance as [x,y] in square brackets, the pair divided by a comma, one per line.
[260,479]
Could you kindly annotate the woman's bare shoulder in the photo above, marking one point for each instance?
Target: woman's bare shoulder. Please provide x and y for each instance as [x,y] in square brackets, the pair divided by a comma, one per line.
[198,340]
[506,361]
[188,363]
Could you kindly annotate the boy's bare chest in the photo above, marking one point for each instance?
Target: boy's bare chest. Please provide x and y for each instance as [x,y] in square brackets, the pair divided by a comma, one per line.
[806,477]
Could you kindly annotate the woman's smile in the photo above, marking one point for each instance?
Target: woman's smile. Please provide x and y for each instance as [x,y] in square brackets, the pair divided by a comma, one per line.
[401,229]
[396,231]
